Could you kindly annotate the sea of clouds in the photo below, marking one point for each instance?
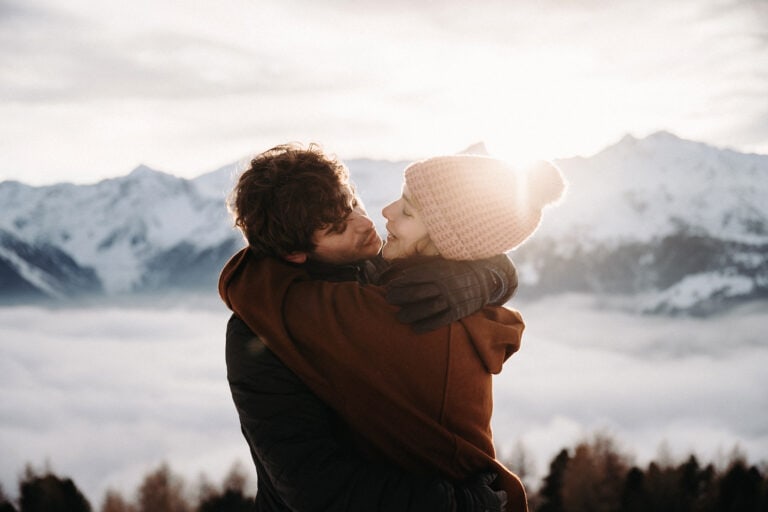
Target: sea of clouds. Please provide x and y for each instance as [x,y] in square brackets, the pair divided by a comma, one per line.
[105,394]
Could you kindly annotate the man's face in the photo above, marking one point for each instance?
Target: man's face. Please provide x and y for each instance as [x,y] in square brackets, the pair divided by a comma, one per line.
[356,240]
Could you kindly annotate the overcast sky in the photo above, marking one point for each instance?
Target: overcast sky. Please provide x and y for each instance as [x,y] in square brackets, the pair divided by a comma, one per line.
[90,89]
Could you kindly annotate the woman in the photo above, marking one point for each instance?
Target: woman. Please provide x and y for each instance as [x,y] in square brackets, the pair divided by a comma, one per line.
[421,401]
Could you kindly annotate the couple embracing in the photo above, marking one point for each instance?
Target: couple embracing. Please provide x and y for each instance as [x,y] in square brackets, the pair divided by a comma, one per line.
[362,373]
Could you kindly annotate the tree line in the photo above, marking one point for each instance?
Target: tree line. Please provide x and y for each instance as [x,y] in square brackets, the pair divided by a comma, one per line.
[593,476]
[161,490]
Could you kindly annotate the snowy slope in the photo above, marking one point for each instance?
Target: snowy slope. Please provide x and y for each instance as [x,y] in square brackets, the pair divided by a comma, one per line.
[671,224]
[117,226]
[38,271]
[640,190]
[679,225]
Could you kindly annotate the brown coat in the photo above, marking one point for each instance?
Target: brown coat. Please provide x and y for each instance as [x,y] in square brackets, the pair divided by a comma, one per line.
[422,401]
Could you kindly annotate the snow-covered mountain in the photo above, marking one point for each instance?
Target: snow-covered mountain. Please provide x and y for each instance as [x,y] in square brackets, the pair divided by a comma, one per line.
[674,225]
[141,232]
[662,223]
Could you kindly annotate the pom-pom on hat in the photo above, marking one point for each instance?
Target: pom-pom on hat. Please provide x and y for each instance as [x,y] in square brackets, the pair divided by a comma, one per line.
[477,206]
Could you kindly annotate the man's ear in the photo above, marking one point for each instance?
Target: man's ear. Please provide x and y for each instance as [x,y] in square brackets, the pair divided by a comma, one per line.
[296,257]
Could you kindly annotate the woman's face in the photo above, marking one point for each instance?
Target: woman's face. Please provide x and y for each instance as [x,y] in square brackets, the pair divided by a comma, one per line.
[406,232]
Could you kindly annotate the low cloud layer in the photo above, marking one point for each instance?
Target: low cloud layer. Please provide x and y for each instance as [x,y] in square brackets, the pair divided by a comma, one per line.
[106,394]
[692,385]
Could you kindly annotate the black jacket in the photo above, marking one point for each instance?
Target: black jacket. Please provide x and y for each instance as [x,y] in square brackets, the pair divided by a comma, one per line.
[304,455]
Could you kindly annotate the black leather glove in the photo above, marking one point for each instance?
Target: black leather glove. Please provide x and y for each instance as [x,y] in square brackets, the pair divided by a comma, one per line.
[476,495]
[437,291]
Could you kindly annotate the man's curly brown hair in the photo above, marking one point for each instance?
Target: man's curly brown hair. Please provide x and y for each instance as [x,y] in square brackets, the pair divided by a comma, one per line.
[288,193]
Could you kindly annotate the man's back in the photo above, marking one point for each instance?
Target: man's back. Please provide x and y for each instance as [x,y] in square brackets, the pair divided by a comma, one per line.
[304,455]
[264,390]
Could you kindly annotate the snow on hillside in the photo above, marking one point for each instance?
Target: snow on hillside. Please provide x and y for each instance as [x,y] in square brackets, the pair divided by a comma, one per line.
[641,190]
[218,184]
[32,275]
[673,220]
[116,225]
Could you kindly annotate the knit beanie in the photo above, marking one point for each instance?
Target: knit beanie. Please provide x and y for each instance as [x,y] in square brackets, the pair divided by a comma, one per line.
[477,206]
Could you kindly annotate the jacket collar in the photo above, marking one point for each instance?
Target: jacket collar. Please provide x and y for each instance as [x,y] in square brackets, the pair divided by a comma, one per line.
[330,272]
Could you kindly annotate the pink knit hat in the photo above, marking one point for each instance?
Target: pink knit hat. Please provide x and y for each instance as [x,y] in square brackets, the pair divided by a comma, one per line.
[477,206]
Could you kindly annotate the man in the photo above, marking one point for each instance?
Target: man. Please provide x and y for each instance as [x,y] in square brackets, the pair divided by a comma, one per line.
[297,205]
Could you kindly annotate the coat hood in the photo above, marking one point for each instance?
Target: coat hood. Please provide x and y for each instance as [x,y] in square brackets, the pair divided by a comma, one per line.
[496,333]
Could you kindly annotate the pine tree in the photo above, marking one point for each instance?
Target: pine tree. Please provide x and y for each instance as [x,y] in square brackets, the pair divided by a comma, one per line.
[49,493]
[232,496]
[550,493]
[741,489]
[5,503]
[634,497]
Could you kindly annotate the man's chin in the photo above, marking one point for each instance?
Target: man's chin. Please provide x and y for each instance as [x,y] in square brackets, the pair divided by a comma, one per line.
[370,252]
[377,247]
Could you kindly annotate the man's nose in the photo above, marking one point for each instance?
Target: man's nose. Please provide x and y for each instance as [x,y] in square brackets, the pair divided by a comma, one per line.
[362,221]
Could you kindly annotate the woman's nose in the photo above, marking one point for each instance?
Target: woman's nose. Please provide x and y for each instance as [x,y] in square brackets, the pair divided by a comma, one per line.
[386,210]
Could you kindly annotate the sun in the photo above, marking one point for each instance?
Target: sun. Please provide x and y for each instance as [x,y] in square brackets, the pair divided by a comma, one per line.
[546,106]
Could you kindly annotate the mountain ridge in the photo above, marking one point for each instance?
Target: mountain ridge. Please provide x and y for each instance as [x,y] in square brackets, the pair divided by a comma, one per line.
[666,224]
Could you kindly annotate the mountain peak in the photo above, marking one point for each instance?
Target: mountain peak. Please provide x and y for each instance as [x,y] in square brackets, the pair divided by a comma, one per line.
[146,174]
[663,135]
[654,142]
[143,170]
[627,140]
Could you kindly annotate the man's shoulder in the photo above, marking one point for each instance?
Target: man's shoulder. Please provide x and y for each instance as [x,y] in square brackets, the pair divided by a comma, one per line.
[238,329]
[245,352]
[255,373]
